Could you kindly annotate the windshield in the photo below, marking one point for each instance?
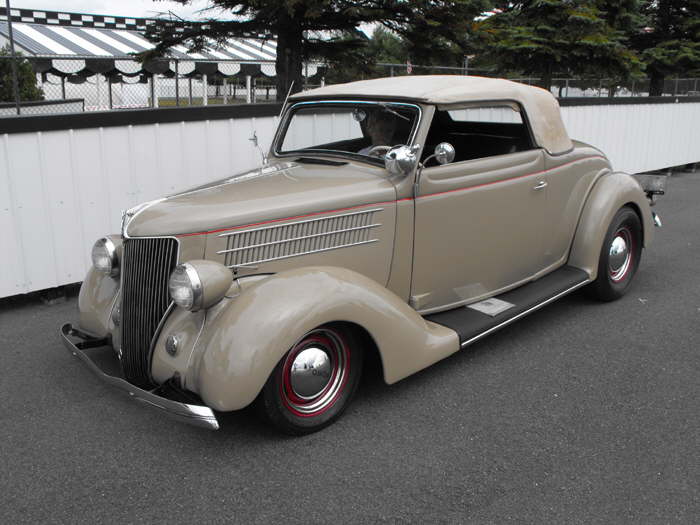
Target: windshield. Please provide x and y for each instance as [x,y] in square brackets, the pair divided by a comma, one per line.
[364,129]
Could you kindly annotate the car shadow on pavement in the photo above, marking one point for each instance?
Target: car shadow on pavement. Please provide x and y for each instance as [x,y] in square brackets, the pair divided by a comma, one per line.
[485,351]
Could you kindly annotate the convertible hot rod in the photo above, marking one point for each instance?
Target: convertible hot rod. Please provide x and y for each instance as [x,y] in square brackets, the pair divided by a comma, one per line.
[407,217]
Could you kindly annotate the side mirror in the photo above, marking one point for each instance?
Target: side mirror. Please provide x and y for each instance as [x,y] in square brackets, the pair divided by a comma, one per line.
[444,153]
[401,160]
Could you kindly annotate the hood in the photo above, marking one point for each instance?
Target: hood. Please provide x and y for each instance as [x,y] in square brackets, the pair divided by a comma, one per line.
[277,190]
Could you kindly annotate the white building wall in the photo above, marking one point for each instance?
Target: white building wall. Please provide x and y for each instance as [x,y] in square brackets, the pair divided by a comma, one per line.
[61,190]
[638,137]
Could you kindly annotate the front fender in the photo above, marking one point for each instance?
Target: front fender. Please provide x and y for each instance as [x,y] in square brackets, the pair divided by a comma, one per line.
[240,346]
[95,302]
[610,193]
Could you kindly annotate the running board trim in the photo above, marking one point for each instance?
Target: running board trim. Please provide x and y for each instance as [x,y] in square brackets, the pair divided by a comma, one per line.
[523,314]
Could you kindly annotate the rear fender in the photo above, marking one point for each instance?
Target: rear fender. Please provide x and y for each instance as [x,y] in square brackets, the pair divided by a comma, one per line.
[240,346]
[610,193]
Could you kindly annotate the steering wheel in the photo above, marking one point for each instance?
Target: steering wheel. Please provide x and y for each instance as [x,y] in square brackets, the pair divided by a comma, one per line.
[378,151]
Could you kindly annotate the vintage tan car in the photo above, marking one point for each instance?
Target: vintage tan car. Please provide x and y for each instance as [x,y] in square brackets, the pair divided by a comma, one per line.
[407,217]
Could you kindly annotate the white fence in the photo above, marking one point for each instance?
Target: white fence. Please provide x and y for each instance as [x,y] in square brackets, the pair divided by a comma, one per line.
[61,190]
[639,137]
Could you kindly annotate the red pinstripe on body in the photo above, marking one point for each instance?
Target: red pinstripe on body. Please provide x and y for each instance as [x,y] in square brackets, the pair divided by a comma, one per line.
[468,188]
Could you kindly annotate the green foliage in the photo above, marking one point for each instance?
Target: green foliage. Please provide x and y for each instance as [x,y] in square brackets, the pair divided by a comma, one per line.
[670,42]
[28,90]
[328,30]
[387,47]
[572,38]
[384,46]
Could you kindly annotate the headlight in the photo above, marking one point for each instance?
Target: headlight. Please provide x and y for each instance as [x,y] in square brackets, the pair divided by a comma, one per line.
[104,256]
[185,287]
[199,284]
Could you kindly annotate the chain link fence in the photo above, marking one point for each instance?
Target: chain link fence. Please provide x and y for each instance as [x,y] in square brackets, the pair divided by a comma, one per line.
[68,86]
[561,87]
[75,85]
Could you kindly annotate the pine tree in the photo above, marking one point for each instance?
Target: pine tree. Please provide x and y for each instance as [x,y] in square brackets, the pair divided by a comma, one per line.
[625,17]
[670,43]
[318,29]
[545,37]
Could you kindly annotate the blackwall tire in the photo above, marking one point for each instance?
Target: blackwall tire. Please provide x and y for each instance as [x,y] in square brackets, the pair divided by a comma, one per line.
[619,257]
[314,382]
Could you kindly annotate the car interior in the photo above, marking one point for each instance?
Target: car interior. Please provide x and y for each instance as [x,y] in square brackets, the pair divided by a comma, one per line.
[476,139]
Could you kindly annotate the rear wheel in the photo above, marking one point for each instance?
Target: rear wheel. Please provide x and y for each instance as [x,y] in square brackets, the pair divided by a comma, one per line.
[619,256]
[314,382]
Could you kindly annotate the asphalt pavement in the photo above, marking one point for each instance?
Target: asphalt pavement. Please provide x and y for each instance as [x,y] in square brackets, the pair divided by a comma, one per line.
[581,413]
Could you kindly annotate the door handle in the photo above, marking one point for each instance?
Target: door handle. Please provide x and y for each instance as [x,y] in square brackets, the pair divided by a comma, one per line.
[540,185]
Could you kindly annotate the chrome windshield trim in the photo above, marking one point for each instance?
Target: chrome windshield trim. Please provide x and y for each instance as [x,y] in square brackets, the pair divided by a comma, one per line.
[282,128]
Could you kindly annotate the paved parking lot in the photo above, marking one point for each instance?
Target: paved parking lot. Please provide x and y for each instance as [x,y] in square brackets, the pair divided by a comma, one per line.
[583,412]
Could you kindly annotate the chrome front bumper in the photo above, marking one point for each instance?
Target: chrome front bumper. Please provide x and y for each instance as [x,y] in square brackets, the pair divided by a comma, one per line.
[198,415]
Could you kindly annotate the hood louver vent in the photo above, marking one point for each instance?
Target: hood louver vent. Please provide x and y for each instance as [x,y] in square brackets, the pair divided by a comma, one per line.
[271,243]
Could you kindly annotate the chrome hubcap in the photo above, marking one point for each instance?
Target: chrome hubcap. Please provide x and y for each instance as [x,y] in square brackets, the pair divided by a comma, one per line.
[310,372]
[314,373]
[620,256]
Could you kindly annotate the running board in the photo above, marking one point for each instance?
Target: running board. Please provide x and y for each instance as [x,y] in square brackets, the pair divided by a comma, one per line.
[471,324]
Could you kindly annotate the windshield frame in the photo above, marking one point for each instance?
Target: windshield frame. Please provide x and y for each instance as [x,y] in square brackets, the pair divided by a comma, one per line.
[290,110]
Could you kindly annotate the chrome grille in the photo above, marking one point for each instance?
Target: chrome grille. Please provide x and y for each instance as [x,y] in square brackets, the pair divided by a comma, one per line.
[270,243]
[146,268]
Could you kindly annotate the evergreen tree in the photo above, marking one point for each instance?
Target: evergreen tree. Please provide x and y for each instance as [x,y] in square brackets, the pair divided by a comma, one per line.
[670,44]
[318,29]
[545,37]
[28,90]
[387,47]
[625,17]
[360,63]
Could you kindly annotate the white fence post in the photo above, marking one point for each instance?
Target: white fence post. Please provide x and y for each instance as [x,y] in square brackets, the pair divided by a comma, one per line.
[205,91]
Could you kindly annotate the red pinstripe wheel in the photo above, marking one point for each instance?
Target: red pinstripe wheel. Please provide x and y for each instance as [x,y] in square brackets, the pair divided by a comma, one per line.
[314,381]
[619,256]
[314,373]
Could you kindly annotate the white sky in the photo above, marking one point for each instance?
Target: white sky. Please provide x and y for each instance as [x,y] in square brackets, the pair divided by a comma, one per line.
[135,8]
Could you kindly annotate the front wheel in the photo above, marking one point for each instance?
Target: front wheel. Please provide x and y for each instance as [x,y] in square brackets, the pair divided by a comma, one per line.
[619,256]
[314,382]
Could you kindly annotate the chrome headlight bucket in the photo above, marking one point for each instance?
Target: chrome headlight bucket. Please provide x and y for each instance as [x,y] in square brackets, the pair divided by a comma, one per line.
[185,287]
[105,256]
[199,284]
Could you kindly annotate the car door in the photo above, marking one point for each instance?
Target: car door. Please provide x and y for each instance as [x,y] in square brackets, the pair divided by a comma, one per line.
[479,222]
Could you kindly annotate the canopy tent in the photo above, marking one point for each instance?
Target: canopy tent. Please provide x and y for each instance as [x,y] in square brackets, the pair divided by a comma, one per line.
[54,36]
[79,44]
[92,50]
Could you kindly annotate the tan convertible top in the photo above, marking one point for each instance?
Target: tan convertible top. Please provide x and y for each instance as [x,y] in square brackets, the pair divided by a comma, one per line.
[540,105]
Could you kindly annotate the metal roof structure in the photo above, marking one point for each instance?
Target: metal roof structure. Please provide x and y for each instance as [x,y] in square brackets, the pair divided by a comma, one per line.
[92,40]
